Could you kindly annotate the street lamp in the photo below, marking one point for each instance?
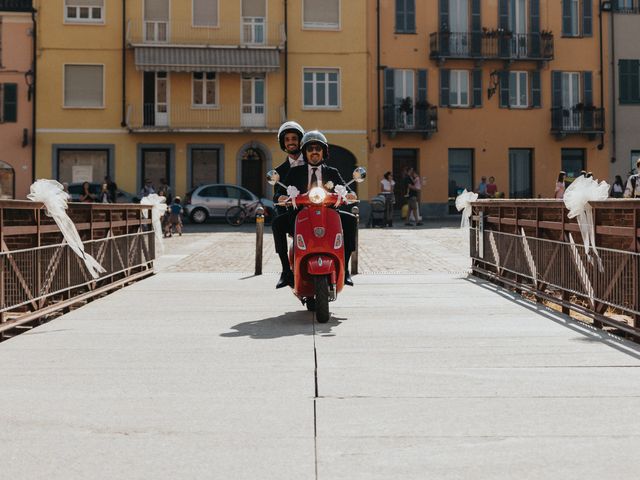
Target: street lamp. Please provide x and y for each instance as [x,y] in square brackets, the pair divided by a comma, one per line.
[29,78]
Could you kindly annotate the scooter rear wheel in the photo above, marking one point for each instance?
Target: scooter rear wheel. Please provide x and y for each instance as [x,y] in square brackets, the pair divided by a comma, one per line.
[322,299]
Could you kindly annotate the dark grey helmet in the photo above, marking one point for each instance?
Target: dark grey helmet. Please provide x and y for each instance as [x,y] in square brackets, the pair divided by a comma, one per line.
[315,136]
[290,126]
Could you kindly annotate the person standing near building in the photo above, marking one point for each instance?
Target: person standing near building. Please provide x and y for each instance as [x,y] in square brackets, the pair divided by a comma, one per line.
[633,184]
[412,196]
[617,189]
[387,185]
[482,188]
[492,188]
[559,192]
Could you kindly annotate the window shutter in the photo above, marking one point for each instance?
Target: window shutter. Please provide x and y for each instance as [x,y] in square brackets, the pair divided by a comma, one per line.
[156,10]
[503,75]
[534,27]
[389,88]
[254,8]
[476,29]
[10,107]
[566,19]
[205,12]
[623,74]
[422,112]
[504,44]
[587,81]
[444,87]
[400,16]
[444,15]
[321,12]
[556,88]
[536,90]
[410,19]
[587,18]
[477,88]
[634,81]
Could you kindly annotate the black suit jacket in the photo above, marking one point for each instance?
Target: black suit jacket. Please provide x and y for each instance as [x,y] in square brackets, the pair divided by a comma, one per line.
[299,177]
[283,171]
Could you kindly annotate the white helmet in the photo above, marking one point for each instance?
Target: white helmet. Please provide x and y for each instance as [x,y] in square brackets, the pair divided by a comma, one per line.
[289,127]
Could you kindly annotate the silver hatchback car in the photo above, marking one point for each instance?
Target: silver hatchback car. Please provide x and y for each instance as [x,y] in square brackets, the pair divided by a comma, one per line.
[213,201]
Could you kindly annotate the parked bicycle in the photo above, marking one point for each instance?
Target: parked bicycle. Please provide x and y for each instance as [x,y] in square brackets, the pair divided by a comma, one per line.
[238,214]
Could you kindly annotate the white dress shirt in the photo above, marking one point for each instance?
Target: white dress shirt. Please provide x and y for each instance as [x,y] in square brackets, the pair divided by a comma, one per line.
[295,162]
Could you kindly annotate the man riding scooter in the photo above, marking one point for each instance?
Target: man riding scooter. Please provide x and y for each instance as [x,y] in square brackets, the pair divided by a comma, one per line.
[315,151]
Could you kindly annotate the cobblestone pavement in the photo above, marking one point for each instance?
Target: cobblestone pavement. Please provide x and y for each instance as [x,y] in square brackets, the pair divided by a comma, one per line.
[436,247]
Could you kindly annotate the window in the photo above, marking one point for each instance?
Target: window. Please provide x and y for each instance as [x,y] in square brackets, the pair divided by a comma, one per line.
[83,86]
[405,16]
[321,14]
[459,88]
[205,13]
[7,181]
[629,73]
[79,165]
[518,90]
[321,88]
[8,102]
[219,191]
[205,166]
[577,18]
[84,11]
[573,162]
[238,193]
[156,20]
[254,14]
[205,86]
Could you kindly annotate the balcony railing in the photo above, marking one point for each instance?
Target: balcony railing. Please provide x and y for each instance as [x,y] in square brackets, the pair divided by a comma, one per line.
[632,7]
[417,119]
[492,45]
[587,120]
[16,5]
[222,118]
[247,31]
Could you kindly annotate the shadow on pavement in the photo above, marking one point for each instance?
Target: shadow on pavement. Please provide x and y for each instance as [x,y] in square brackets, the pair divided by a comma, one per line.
[285,325]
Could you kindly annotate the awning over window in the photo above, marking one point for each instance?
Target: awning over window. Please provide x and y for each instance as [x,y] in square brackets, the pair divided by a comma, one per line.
[189,59]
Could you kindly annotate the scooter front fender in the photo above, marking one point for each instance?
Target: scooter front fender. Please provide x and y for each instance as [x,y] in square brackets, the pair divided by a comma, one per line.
[319,265]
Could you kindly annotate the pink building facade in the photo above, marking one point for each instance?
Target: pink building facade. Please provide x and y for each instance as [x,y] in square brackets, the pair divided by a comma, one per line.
[16,98]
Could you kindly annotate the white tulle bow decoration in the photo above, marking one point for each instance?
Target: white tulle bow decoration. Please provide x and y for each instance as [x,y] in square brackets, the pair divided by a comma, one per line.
[293,192]
[55,199]
[341,190]
[159,207]
[576,198]
[463,203]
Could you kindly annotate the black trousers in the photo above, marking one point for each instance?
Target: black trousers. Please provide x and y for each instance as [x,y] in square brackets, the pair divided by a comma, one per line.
[285,223]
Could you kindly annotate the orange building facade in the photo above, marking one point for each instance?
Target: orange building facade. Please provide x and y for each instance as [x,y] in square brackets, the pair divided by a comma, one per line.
[16,98]
[471,88]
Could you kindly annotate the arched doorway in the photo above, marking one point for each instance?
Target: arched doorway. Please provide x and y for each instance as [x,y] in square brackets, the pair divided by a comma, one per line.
[252,165]
[7,181]
[344,161]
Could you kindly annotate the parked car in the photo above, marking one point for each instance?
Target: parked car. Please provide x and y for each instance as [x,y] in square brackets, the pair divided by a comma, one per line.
[213,200]
[75,190]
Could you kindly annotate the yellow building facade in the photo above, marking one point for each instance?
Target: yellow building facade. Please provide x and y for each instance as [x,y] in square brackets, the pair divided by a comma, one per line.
[194,91]
[471,88]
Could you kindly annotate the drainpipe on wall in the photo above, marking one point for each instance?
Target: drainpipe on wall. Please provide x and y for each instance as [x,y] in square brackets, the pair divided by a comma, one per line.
[123,123]
[614,145]
[33,95]
[379,142]
[286,60]
[601,144]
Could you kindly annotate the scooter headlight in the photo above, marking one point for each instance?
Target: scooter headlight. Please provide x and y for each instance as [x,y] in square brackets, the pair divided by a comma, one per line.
[317,195]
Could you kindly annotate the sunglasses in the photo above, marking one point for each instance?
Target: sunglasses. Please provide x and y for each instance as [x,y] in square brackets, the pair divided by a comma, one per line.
[313,148]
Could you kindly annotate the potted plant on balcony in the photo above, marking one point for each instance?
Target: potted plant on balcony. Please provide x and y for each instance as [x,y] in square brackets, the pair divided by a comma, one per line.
[546,34]
[406,106]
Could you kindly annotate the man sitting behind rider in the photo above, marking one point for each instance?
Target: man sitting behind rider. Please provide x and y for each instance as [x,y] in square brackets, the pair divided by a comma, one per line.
[315,151]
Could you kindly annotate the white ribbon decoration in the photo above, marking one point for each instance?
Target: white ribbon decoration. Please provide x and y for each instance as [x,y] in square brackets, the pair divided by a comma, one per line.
[463,202]
[159,207]
[293,192]
[54,198]
[576,198]
[341,190]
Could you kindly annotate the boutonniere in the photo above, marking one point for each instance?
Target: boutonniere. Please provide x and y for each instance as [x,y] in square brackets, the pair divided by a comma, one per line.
[329,185]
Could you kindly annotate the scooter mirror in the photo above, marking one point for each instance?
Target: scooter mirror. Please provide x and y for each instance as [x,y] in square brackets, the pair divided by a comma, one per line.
[359,174]
[273,177]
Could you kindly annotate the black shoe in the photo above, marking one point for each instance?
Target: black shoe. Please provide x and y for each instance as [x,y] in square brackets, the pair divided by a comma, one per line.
[347,279]
[286,279]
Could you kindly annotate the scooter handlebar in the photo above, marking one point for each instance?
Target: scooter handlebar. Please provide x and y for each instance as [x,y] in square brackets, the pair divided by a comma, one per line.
[330,200]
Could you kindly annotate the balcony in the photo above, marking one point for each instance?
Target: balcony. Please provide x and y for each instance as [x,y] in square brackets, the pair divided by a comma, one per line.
[16,5]
[492,45]
[403,119]
[228,118]
[577,120]
[249,32]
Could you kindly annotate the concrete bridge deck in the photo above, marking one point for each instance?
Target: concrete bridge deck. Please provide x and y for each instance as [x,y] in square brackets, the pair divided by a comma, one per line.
[204,371]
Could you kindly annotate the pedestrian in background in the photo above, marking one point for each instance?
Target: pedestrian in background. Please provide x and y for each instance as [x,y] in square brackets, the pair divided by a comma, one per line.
[387,185]
[560,186]
[175,218]
[617,189]
[492,188]
[482,188]
[86,196]
[104,197]
[633,184]
[147,189]
[112,188]
[412,197]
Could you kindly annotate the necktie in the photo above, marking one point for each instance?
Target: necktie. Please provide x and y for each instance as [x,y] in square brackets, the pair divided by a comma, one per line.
[314,177]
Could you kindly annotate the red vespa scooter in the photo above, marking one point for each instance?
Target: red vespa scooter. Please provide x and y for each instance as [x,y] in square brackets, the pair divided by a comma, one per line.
[317,254]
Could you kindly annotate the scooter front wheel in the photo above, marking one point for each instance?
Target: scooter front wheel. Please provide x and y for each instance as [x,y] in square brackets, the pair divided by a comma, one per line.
[322,299]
